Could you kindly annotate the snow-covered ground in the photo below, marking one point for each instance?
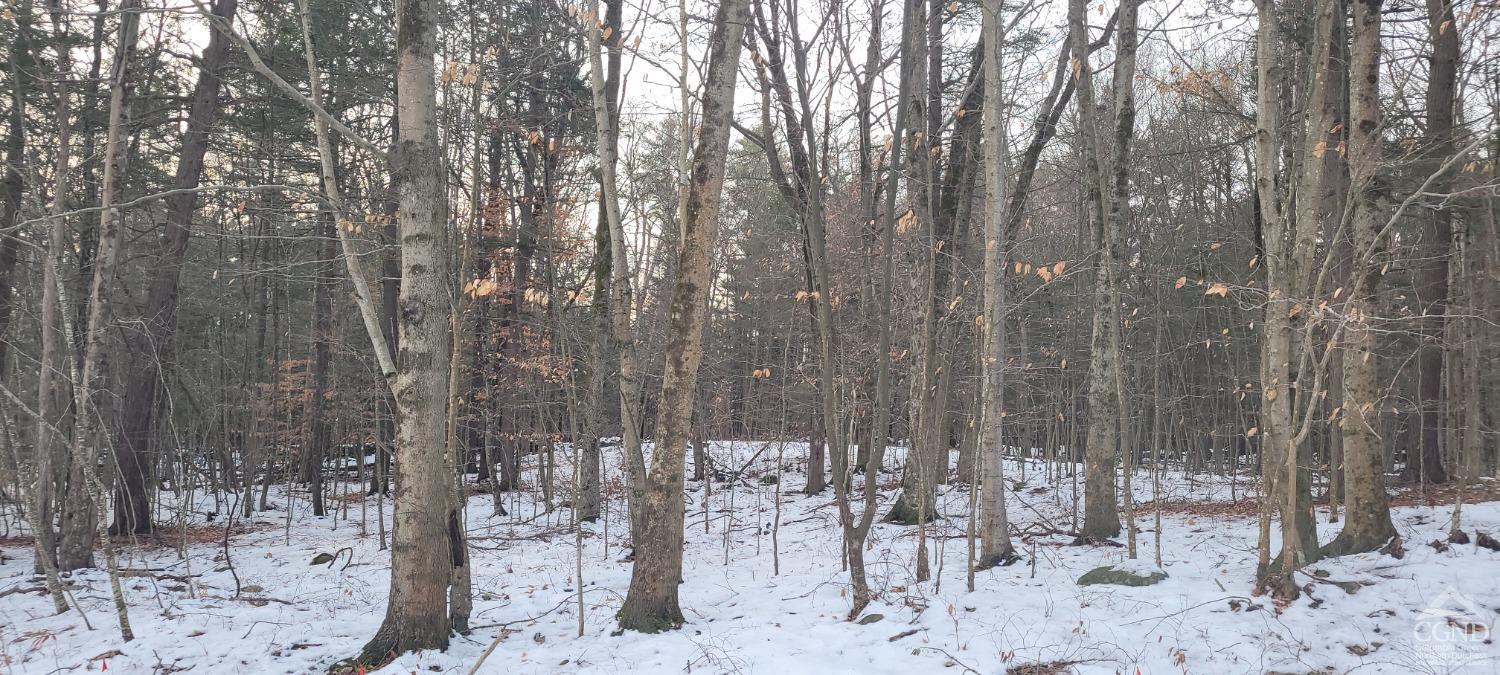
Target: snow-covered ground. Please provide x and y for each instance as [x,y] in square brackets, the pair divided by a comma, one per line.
[295,617]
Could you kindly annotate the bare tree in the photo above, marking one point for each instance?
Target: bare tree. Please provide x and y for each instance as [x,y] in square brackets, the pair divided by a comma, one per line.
[425,539]
[152,343]
[994,527]
[651,604]
[1101,516]
[1367,524]
[1437,239]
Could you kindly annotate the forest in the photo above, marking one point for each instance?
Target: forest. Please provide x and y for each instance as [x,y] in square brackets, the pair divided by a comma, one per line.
[731,336]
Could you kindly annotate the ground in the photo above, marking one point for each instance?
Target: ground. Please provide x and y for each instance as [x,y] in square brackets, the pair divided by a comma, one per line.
[1429,612]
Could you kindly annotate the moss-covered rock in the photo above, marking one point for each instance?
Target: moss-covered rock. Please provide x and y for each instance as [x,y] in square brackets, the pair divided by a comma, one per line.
[1128,573]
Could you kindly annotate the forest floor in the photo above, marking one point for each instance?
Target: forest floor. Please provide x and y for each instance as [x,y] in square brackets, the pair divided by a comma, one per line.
[1429,612]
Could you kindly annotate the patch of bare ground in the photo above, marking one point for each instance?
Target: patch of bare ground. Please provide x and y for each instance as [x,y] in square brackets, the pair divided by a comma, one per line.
[1049,668]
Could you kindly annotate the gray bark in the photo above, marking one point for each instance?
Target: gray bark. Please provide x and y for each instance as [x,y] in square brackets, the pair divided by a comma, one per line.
[1367,522]
[994,527]
[651,604]
[425,541]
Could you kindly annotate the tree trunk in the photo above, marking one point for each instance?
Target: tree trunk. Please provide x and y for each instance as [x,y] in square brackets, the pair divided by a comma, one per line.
[1332,195]
[318,435]
[390,293]
[651,603]
[150,346]
[605,87]
[13,183]
[856,533]
[621,307]
[1367,521]
[1114,227]
[916,503]
[806,192]
[1101,517]
[994,527]
[425,545]
[1437,233]
[77,549]
[44,471]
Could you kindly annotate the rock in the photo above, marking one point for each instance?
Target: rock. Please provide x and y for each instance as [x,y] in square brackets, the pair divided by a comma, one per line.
[870,618]
[1129,573]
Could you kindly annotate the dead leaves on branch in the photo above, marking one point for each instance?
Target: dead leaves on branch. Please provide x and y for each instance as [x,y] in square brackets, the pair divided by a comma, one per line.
[371,218]
[484,287]
[464,73]
[1043,270]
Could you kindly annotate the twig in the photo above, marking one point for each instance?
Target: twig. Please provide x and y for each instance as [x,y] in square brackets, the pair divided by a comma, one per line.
[954,659]
[503,634]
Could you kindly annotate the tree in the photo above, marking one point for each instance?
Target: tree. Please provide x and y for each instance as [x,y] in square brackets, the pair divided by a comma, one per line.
[1286,255]
[92,407]
[651,604]
[1367,523]
[13,184]
[1101,519]
[1114,227]
[806,191]
[916,503]
[1437,235]
[151,345]
[604,87]
[318,434]
[994,527]
[425,541]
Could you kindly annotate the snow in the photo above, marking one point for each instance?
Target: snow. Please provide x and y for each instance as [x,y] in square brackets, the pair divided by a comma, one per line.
[1140,567]
[742,618]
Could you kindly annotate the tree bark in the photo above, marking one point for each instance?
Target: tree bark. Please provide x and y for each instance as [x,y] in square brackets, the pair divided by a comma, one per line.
[315,446]
[1437,234]
[92,409]
[621,344]
[916,503]
[1288,245]
[856,533]
[1114,227]
[47,452]
[605,87]
[651,604]
[425,545]
[1101,517]
[1367,522]
[150,346]
[994,528]
[13,183]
